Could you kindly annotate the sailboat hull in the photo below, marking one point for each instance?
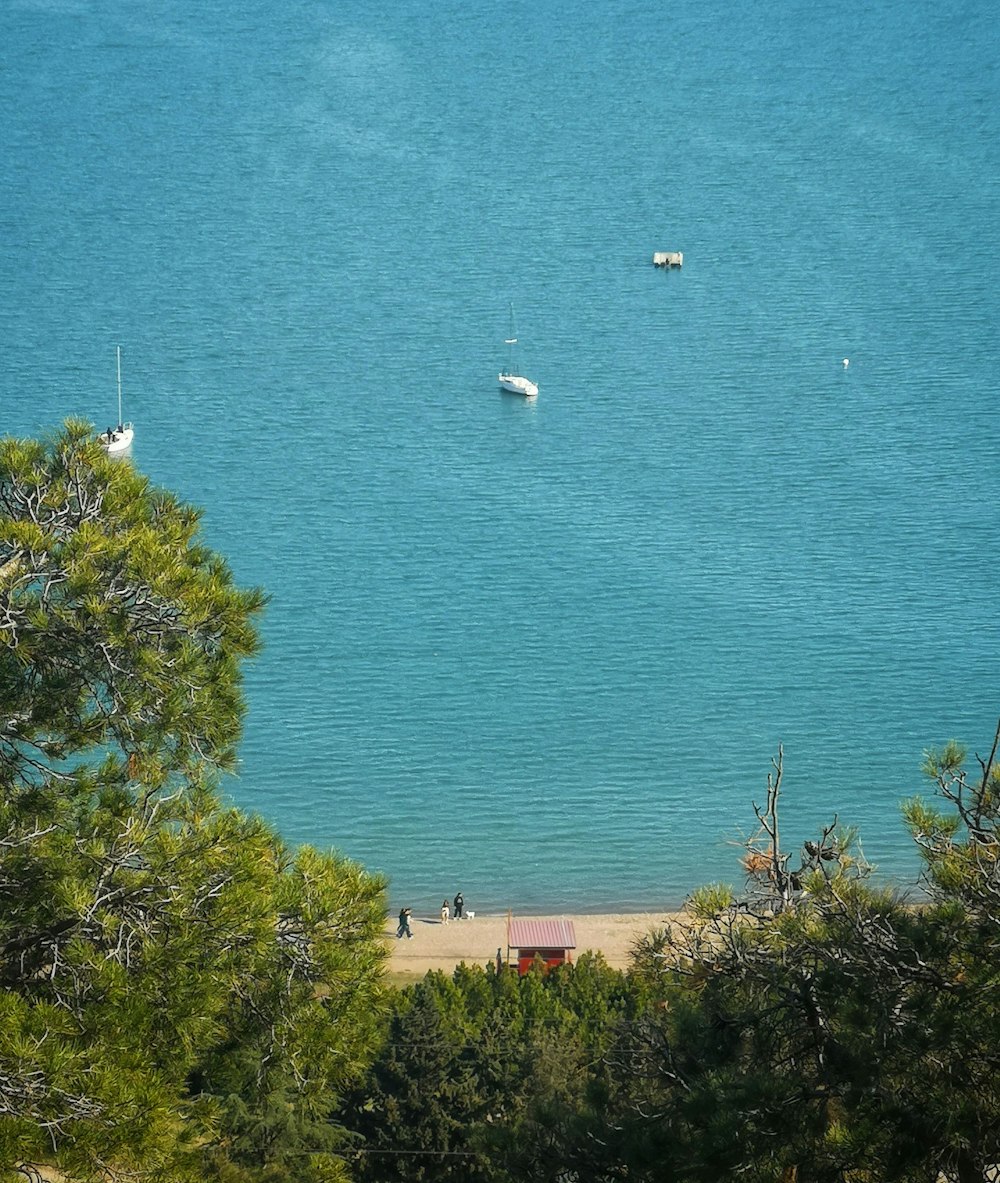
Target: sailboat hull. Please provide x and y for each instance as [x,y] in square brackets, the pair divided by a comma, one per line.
[518,385]
[117,441]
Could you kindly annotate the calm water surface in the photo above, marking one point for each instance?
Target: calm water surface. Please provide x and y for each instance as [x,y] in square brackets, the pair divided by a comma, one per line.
[543,652]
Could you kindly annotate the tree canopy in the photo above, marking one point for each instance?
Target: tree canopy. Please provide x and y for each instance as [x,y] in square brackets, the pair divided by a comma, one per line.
[177,987]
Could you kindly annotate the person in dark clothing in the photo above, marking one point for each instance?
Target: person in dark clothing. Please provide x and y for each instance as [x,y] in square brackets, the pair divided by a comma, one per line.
[404,923]
[459,906]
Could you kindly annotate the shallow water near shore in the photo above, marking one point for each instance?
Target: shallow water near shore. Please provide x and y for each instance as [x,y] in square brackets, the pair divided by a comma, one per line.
[543,652]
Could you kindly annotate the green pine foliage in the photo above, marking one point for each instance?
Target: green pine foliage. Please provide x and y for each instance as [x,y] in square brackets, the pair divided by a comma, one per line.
[852,1036]
[180,993]
[481,1070]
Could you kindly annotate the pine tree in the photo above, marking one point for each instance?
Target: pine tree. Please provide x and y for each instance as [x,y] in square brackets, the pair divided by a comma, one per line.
[141,923]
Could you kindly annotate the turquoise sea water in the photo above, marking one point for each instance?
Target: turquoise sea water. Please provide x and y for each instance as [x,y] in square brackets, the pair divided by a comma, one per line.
[543,652]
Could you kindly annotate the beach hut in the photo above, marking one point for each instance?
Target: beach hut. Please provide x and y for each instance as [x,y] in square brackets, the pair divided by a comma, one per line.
[551,940]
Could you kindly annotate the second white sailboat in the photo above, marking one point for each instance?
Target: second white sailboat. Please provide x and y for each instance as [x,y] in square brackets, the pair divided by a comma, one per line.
[509,378]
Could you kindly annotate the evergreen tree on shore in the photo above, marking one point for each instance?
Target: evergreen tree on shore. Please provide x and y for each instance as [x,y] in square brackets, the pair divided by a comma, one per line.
[171,975]
[843,1033]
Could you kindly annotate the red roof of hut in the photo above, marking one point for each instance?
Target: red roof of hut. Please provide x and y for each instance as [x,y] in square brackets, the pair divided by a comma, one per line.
[541,934]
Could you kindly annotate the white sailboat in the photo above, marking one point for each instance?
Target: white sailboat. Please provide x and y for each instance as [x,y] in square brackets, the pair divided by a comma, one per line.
[509,378]
[117,439]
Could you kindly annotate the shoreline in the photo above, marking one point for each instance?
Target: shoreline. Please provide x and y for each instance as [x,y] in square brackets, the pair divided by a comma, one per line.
[439,945]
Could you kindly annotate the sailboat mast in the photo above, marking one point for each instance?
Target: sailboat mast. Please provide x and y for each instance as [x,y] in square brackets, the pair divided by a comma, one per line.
[119,349]
[511,342]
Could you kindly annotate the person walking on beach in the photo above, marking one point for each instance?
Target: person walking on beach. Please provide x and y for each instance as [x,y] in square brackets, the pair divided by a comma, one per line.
[459,905]
[445,912]
[404,923]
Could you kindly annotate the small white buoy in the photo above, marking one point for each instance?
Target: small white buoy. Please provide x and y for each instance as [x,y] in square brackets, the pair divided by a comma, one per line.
[847,362]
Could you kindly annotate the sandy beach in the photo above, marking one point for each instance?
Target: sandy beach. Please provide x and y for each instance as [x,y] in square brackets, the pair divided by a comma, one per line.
[436,945]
